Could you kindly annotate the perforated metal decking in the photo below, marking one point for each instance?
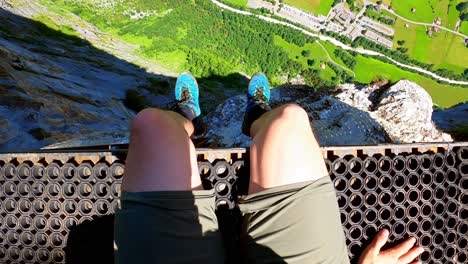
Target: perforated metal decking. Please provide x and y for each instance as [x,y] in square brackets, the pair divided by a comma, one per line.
[57,207]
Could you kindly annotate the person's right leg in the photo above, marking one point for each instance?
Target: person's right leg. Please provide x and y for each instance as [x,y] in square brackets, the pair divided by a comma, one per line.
[164,216]
[291,213]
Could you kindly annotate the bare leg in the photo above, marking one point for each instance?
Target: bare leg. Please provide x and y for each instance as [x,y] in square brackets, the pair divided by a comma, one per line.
[289,224]
[161,156]
[159,209]
[284,149]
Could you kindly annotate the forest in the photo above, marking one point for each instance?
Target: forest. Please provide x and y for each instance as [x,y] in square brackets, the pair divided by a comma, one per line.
[205,40]
[202,38]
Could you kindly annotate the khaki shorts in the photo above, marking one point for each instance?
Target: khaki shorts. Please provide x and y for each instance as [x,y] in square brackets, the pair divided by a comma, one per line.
[296,223]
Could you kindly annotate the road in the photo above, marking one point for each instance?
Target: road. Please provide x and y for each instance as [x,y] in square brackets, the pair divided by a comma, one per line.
[339,44]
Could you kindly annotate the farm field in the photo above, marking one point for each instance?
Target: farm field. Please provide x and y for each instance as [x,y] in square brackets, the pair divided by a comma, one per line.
[441,49]
[201,38]
[442,95]
[464,28]
[424,12]
[427,10]
[316,52]
[321,7]
[237,2]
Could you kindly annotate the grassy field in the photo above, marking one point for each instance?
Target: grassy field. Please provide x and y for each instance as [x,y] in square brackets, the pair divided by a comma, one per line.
[453,15]
[376,15]
[464,28]
[385,2]
[324,7]
[67,30]
[321,7]
[237,2]
[316,53]
[448,49]
[295,52]
[221,43]
[330,49]
[427,10]
[442,95]
[424,11]
[444,50]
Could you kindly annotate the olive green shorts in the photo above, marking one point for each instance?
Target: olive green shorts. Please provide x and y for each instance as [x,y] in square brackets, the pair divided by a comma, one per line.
[296,223]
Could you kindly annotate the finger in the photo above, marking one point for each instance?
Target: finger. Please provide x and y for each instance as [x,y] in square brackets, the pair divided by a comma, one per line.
[401,249]
[379,241]
[411,255]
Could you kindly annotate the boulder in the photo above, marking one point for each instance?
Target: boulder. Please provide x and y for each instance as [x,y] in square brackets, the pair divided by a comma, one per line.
[351,115]
[333,122]
[405,111]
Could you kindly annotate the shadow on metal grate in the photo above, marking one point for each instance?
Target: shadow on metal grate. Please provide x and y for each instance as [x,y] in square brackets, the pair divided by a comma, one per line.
[58,207]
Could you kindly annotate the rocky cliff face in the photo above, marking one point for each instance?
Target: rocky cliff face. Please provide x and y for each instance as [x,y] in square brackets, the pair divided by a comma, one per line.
[351,115]
[454,120]
[55,87]
[404,110]
[66,79]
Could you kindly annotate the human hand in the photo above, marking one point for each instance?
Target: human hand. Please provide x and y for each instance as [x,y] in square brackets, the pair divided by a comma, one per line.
[403,253]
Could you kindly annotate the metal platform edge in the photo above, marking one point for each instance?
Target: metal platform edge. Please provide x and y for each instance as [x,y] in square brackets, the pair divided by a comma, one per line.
[228,154]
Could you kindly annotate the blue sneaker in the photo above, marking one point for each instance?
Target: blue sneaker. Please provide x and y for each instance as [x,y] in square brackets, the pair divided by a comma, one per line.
[186,96]
[258,101]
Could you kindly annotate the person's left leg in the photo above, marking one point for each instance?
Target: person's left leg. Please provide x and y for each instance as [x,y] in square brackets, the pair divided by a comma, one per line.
[165,217]
[291,214]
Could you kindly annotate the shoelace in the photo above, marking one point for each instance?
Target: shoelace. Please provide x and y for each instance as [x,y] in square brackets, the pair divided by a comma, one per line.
[259,96]
[186,96]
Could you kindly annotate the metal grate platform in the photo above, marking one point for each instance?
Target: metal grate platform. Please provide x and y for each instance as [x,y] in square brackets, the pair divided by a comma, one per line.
[57,207]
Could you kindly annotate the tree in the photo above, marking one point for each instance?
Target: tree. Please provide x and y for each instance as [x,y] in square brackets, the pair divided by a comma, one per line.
[464,17]
[401,42]
[310,62]
[306,53]
[462,6]
[402,50]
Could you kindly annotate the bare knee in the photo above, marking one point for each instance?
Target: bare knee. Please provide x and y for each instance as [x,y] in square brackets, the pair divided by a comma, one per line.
[147,120]
[293,113]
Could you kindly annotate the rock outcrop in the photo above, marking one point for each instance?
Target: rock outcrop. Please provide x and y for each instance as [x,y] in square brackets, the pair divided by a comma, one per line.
[54,87]
[404,110]
[349,116]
